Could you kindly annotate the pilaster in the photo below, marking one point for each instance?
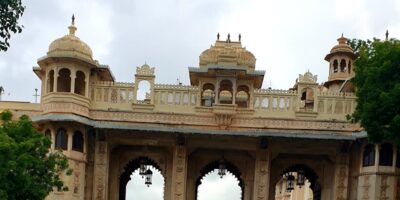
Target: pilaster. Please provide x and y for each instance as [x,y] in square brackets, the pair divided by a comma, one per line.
[341,177]
[179,172]
[100,178]
[262,175]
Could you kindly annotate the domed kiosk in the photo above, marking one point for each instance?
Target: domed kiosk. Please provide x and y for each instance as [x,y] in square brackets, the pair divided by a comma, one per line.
[65,73]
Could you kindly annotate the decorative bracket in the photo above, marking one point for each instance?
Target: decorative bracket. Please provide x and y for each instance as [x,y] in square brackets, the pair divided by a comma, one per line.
[223,114]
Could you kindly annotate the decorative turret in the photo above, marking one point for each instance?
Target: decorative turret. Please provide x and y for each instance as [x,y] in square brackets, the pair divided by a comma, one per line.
[340,60]
[65,72]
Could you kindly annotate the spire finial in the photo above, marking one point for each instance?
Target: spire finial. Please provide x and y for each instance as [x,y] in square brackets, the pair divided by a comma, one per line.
[240,37]
[387,35]
[72,28]
[342,39]
[218,36]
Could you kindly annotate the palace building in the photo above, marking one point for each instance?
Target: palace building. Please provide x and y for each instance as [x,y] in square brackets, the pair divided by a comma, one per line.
[279,144]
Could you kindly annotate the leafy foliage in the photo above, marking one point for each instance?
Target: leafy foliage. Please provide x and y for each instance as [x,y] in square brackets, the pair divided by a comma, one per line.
[377,81]
[27,169]
[10,12]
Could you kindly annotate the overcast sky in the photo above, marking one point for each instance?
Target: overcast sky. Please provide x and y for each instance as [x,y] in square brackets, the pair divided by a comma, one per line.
[287,37]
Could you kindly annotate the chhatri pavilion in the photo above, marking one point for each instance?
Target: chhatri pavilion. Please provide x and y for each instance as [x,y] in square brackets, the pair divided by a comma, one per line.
[279,144]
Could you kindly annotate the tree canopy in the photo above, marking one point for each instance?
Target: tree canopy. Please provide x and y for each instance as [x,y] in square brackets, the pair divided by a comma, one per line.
[27,169]
[10,12]
[377,82]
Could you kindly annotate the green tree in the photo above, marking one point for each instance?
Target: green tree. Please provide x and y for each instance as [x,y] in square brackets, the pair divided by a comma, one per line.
[10,12]
[377,82]
[27,169]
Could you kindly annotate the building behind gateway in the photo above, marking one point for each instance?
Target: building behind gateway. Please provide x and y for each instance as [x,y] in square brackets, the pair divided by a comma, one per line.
[272,141]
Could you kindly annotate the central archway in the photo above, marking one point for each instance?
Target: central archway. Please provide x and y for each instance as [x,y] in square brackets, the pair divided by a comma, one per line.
[309,174]
[211,167]
[129,169]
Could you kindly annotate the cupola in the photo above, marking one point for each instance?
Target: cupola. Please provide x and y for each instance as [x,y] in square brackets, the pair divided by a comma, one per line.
[340,60]
[70,46]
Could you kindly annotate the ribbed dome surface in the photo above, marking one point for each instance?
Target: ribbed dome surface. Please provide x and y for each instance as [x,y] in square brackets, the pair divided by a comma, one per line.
[227,52]
[70,46]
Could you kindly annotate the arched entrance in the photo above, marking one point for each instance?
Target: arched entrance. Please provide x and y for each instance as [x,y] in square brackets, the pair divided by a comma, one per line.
[297,176]
[221,167]
[145,166]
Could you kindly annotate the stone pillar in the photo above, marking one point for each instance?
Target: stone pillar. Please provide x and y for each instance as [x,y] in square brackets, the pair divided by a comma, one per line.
[55,81]
[216,91]
[100,178]
[179,170]
[70,134]
[261,176]
[73,77]
[341,177]
[87,85]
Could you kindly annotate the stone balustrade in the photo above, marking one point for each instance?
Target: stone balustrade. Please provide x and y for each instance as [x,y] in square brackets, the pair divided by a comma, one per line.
[184,99]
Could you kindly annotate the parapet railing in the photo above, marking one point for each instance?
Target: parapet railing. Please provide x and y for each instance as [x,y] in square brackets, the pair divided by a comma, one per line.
[112,92]
[178,95]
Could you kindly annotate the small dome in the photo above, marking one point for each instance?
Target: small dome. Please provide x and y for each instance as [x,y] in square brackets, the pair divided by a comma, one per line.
[227,52]
[341,47]
[70,46]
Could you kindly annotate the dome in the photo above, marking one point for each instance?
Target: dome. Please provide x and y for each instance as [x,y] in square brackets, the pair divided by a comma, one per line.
[70,46]
[227,52]
[341,47]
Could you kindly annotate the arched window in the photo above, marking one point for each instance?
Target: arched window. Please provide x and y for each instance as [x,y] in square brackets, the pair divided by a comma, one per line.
[77,141]
[225,92]
[369,155]
[64,80]
[242,96]
[342,65]
[47,133]
[335,66]
[386,154]
[50,81]
[62,139]
[207,95]
[80,83]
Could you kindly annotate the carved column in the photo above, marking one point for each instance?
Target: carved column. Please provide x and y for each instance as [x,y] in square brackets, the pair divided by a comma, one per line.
[341,177]
[261,176]
[100,178]
[179,170]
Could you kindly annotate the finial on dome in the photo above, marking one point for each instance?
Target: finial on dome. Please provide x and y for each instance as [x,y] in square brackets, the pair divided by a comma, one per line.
[387,35]
[72,28]
[342,40]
